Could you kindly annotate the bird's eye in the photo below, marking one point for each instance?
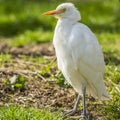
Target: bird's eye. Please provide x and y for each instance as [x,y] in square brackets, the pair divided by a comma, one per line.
[62,10]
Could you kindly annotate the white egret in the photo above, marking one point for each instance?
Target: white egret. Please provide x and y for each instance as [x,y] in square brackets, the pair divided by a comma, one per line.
[79,55]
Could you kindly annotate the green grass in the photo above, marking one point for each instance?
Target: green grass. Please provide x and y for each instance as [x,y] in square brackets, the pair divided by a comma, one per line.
[36,36]
[23,23]
[19,113]
[4,58]
[112,107]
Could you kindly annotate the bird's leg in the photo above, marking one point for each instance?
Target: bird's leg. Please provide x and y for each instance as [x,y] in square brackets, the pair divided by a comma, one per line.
[72,111]
[84,114]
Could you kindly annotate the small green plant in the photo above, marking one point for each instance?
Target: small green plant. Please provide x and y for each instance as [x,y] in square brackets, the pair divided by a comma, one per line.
[46,71]
[5,58]
[60,80]
[16,82]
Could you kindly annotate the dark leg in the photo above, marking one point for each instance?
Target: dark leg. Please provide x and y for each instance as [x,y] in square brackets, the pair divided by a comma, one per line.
[74,108]
[84,114]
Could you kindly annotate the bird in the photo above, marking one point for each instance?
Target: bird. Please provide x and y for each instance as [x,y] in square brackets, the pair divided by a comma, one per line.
[79,55]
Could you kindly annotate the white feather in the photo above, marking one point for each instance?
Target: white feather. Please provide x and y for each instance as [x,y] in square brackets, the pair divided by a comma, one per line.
[79,54]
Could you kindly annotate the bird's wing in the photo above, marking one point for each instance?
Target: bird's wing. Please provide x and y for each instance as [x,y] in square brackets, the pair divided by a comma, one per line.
[85,48]
[87,57]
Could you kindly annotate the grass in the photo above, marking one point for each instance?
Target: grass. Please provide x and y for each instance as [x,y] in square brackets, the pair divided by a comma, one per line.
[4,58]
[22,23]
[112,108]
[38,36]
[19,113]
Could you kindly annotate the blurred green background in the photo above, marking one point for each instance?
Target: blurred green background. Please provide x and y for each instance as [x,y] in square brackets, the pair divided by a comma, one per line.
[22,20]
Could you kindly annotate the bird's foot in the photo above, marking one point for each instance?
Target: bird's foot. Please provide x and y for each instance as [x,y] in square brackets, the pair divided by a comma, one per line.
[70,112]
[84,116]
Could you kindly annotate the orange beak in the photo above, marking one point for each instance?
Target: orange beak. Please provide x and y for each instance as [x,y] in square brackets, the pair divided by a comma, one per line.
[54,12]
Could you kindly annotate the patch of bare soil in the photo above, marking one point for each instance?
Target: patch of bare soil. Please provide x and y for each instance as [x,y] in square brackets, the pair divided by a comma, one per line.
[38,92]
[32,49]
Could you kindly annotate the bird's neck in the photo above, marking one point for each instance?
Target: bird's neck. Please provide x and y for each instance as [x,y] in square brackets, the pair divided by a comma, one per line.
[65,21]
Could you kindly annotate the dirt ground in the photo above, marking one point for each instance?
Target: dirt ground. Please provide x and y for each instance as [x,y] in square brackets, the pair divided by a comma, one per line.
[38,92]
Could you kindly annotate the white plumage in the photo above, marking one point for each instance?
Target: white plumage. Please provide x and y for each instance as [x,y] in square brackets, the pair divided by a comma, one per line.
[78,52]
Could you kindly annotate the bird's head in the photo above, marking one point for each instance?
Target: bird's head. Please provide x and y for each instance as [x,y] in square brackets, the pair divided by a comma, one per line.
[65,10]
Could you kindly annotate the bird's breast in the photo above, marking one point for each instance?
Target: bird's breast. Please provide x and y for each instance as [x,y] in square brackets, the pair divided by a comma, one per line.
[61,42]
